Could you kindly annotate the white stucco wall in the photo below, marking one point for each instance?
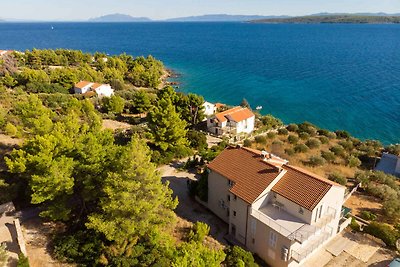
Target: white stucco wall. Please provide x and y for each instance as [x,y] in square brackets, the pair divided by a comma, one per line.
[218,190]
[104,90]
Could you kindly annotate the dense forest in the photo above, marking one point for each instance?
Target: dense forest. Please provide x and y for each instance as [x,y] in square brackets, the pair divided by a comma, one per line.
[101,185]
[334,19]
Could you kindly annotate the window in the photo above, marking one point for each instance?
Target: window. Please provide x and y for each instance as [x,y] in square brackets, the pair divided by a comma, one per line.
[272,239]
[234,197]
[234,213]
[301,211]
[227,212]
[228,197]
[230,183]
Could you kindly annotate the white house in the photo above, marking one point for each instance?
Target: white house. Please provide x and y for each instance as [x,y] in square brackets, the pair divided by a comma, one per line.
[234,121]
[209,108]
[279,211]
[100,89]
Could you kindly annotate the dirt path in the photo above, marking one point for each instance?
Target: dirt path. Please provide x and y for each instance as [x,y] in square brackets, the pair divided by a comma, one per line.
[188,208]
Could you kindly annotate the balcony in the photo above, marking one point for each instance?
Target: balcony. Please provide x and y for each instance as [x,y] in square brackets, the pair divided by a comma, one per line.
[290,226]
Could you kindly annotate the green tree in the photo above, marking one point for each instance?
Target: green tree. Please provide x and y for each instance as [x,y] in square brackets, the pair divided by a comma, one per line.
[166,126]
[114,104]
[3,255]
[8,80]
[236,257]
[134,199]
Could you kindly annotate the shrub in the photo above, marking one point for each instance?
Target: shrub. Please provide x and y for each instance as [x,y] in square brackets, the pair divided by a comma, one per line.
[271,135]
[353,162]
[260,139]
[198,232]
[328,156]
[324,139]
[382,191]
[304,135]
[289,151]
[197,140]
[393,149]
[236,256]
[383,232]
[277,143]
[346,144]
[3,254]
[331,135]
[307,128]
[367,215]
[247,143]
[313,143]
[283,131]
[338,150]
[354,225]
[342,134]
[323,132]
[270,121]
[391,207]
[292,127]
[293,139]
[22,260]
[338,178]
[11,130]
[316,161]
[301,148]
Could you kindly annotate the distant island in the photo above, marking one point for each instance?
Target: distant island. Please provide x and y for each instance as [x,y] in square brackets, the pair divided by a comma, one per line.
[223,18]
[359,19]
[119,18]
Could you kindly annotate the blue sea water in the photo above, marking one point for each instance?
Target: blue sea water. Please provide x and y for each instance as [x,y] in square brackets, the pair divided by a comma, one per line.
[335,76]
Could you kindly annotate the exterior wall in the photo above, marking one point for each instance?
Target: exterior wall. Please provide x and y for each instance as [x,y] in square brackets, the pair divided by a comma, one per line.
[397,170]
[292,208]
[218,191]
[105,90]
[209,108]
[258,241]
[240,221]
[82,90]
[246,126]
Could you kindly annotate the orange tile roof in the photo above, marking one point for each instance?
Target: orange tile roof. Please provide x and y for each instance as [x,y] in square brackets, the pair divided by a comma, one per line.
[252,175]
[96,85]
[219,105]
[82,84]
[236,114]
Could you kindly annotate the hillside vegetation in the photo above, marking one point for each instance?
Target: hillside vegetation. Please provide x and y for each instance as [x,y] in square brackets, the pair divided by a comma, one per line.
[334,19]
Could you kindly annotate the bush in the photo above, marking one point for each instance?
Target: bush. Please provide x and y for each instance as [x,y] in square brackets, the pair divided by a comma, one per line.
[304,135]
[328,156]
[292,127]
[324,139]
[11,130]
[338,150]
[270,121]
[342,134]
[3,254]
[247,143]
[198,232]
[197,140]
[277,143]
[260,139]
[313,143]
[323,132]
[354,225]
[331,135]
[283,131]
[382,191]
[383,232]
[22,260]
[347,144]
[391,207]
[307,128]
[301,148]
[369,216]
[236,256]
[289,151]
[316,161]
[338,178]
[353,162]
[271,135]
[293,139]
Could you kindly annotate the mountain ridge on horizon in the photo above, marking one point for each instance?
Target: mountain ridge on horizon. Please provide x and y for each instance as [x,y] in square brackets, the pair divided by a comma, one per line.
[119,17]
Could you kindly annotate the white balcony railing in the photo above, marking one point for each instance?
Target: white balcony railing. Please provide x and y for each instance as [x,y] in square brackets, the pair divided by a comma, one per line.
[270,222]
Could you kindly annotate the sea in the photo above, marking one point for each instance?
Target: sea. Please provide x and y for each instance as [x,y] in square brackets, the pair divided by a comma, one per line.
[337,76]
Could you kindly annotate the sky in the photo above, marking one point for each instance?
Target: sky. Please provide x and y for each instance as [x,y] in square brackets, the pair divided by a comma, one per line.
[161,9]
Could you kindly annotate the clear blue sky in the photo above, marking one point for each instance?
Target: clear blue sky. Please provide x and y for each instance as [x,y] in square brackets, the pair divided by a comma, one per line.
[160,9]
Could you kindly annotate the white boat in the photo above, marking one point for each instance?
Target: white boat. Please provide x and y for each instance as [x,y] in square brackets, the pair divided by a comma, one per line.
[258,107]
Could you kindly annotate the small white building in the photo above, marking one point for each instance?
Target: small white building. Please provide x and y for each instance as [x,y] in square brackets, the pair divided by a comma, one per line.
[233,121]
[84,87]
[209,108]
